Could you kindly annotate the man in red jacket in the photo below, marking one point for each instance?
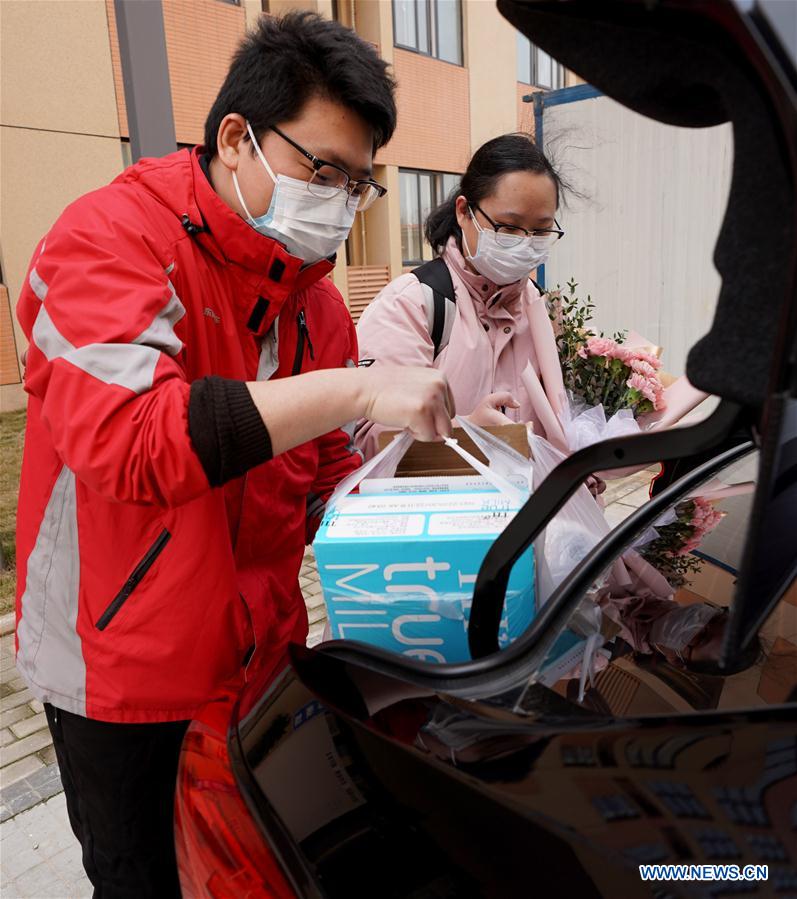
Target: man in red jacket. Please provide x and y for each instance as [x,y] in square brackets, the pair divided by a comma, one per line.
[190,372]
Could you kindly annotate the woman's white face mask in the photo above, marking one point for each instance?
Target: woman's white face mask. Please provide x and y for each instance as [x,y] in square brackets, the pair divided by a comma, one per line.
[310,227]
[503,265]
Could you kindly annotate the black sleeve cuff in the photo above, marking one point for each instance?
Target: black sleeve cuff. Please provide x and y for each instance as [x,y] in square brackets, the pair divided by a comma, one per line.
[226,429]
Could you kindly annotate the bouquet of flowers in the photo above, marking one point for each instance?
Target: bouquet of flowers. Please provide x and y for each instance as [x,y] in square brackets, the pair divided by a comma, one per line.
[600,370]
[609,383]
[671,551]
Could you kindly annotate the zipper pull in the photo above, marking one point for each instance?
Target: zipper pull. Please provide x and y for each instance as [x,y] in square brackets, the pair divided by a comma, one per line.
[306,331]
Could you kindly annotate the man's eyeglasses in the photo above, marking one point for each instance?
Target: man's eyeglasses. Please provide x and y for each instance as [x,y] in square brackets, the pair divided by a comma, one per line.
[362,194]
[511,235]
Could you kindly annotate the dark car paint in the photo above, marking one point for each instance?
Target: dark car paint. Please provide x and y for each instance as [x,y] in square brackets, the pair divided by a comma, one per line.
[548,800]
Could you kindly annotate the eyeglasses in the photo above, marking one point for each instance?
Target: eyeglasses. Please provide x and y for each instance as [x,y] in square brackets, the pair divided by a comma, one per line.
[511,235]
[326,175]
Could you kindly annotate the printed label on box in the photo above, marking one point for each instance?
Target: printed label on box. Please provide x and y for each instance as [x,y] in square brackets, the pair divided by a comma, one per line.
[363,526]
[442,484]
[367,504]
[454,523]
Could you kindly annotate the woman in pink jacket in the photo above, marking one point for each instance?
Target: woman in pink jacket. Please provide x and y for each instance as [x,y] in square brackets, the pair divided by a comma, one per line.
[497,346]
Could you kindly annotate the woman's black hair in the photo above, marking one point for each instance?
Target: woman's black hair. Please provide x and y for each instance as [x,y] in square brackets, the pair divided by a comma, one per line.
[498,157]
[286,61]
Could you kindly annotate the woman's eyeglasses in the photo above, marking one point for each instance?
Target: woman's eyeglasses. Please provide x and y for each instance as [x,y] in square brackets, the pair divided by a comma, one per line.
[511,235]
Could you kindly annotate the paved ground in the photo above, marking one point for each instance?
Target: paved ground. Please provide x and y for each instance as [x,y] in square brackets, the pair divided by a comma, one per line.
[39,856]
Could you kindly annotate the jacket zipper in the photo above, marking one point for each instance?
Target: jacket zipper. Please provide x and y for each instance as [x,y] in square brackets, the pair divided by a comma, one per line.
[250,650]
[304,337]
[134,580]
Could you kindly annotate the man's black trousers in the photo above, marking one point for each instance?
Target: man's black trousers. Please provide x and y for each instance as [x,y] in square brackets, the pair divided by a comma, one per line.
[119,781]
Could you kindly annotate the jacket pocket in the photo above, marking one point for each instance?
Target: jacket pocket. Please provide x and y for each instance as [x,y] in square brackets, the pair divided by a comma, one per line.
[133,581]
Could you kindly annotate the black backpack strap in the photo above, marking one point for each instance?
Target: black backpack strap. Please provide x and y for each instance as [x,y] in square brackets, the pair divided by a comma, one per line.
[436,275]
[539,287]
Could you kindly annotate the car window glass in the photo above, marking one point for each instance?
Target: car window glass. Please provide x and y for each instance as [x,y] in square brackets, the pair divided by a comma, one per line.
[663,612]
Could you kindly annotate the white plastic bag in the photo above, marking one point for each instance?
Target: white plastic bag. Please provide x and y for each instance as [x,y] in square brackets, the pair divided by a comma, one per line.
[584,425]
[571,534]
[503,462]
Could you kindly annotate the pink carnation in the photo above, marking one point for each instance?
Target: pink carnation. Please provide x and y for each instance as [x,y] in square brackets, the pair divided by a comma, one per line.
[650,388]
[605,346]
[642,367]
[705,517]
[641,356]
[691,545]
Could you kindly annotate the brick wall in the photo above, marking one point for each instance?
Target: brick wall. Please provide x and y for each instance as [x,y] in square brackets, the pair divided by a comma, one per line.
[434,115]
[201,37]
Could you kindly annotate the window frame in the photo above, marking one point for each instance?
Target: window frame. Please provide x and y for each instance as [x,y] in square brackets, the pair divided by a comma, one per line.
[432,30]
[558,71]
[439,194]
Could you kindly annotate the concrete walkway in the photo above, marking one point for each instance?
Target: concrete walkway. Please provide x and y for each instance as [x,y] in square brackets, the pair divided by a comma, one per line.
[39,855]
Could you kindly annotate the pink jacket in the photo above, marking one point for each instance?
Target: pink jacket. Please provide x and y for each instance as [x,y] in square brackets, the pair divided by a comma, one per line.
[501,339]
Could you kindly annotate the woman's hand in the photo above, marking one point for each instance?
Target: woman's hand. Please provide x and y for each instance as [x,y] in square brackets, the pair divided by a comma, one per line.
[595,485]
[488,413]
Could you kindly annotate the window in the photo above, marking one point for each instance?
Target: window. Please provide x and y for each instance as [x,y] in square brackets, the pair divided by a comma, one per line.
[431,27]
[420,192]
[535,66]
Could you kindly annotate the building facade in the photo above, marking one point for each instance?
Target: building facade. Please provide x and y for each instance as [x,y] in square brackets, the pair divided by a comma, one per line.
[462,73]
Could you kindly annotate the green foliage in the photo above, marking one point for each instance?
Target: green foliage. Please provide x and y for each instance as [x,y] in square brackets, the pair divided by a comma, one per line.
[666,553]
[592,379]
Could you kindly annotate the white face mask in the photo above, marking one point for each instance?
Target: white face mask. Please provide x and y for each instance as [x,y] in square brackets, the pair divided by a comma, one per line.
[503,265]
[310,227]
[678,628]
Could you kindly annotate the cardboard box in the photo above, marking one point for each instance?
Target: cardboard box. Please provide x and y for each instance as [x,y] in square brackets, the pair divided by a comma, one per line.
[398,568]
[432,459]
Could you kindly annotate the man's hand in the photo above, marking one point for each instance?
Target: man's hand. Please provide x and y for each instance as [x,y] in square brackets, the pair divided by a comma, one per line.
[415,398]
[488,413]
[302,408]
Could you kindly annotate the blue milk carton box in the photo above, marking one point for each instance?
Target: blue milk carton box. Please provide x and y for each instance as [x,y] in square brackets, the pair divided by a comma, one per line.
[398,568]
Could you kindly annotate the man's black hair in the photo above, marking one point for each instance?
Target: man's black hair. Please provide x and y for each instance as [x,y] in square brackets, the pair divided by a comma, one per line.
[286,61]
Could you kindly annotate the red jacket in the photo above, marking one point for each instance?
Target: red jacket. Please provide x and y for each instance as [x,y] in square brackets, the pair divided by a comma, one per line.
[141,588]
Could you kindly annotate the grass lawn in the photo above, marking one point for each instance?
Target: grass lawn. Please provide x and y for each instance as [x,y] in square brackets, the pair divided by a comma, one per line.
[12,431]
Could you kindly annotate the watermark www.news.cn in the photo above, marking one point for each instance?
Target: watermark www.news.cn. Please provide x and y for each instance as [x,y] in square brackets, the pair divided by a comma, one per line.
[704,872]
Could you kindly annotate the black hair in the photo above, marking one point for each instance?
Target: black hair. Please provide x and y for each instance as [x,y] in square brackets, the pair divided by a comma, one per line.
[498,157]
[286,61]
